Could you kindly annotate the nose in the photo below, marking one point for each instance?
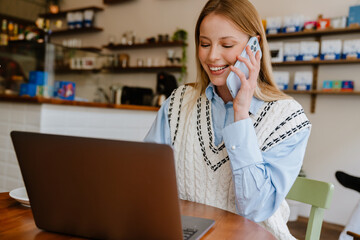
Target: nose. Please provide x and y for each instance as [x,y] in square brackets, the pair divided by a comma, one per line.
[214,54]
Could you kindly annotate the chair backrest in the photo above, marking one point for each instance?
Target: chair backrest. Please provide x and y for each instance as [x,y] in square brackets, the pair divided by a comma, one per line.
[319,195]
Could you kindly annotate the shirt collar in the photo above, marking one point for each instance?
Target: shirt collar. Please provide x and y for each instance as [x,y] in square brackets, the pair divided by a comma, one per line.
[255,104]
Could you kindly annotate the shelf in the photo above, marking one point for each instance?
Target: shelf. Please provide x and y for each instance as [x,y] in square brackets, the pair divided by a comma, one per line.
[25,43]
[120,70]
[314,33]
[41,100]
[338,93]
[146,45]
[317,62]
[86,49]
[76,71]
[62,14]
[321,92]
[143,69]
[116,1]
[76,31]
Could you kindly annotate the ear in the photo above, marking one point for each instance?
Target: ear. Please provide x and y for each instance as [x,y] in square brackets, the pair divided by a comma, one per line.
[258,38]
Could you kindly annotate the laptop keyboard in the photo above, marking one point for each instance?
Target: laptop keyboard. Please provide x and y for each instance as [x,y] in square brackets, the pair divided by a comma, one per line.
[188,232]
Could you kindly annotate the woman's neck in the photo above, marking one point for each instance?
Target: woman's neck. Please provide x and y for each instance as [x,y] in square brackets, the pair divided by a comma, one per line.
[224,93]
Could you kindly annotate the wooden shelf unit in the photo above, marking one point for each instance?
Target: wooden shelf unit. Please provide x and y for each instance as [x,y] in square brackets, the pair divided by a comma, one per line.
[316,63]
[116,1]
[76,31]
[322,92]
[120,70]
[76,71]
[115,47]
[68,31]
[314,33]
[62,14]
[143,69]
[87,49]
[146,45]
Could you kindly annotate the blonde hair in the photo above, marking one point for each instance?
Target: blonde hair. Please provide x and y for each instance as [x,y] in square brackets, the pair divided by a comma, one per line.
[245,16]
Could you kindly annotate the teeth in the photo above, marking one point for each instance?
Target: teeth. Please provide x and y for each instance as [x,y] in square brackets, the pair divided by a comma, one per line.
[217,68]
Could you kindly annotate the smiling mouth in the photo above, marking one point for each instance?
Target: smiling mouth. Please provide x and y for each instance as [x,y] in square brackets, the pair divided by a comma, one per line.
[216,69]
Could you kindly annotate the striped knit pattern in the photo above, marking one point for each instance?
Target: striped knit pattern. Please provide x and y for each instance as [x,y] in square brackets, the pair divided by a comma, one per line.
[203,170]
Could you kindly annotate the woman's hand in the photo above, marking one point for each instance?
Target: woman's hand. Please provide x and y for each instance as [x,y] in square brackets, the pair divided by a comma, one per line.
[242,101]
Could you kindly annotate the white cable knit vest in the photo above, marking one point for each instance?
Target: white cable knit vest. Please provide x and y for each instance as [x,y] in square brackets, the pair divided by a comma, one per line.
[203,169]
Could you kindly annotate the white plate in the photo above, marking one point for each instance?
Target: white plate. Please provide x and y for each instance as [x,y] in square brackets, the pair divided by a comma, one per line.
[20,195]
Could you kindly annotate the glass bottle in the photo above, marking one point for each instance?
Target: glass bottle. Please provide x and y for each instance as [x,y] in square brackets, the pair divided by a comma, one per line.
[11,30]
[4,35]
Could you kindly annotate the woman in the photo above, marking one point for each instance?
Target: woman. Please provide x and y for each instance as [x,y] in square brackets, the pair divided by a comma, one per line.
[242,154]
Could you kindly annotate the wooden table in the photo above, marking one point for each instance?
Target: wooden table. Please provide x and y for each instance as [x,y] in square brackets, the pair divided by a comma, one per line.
[16,222]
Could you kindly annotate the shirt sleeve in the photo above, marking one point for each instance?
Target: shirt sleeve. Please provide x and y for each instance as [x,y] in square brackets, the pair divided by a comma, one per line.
[262,179]
[160,129]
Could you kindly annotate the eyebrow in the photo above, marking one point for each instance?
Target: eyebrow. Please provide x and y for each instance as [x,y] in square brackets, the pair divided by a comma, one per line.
[222,38]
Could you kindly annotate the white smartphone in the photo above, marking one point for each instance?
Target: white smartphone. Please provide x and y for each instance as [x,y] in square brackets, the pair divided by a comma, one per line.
[233,81]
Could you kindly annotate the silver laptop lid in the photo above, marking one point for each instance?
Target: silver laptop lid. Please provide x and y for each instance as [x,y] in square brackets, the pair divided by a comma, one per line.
[96,188]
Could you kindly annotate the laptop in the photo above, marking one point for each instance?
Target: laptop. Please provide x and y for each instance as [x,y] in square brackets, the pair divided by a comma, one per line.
[103,189]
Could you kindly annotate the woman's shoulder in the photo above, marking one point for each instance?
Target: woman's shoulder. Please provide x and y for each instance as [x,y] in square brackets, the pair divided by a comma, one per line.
[279,112]
[279,120]
[184,86]
[287,105]
[183,91]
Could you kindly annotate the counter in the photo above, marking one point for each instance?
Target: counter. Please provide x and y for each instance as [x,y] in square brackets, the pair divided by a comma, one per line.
[26,99]
[123,122]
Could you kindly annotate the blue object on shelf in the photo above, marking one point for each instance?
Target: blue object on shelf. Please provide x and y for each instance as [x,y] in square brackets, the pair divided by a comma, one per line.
[354,15]
[38,78]
[327,85]
[28,89]
[347,85]
[65,90]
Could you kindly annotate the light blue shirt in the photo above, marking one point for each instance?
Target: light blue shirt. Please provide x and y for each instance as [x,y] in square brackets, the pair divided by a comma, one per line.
[262,179]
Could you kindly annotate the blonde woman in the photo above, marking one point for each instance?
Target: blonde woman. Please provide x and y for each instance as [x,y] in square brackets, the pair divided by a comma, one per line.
[240,154]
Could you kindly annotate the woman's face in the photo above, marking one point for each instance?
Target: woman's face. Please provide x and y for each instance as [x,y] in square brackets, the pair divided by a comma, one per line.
[220,42]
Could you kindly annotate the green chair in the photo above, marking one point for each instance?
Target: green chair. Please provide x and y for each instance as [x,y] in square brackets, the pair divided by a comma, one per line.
[316,193]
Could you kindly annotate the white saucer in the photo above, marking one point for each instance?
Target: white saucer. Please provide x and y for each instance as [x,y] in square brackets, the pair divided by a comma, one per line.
[20,195]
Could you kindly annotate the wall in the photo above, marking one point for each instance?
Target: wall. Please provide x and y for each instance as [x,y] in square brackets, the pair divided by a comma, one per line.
[29,10]
[334,143]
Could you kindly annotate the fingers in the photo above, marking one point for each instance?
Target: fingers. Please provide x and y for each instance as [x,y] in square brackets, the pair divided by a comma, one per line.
[240,74]
[253,64]
[247,62]
[257,57]
[254,58]
[251,55]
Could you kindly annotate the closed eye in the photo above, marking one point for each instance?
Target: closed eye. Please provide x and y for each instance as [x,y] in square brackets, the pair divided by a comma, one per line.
[228,46]
[204,45]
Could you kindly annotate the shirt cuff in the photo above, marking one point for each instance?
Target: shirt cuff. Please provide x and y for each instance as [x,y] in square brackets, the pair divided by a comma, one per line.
[241,144]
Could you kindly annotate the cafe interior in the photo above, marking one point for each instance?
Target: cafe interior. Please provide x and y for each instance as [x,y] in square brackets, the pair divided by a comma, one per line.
[101,69]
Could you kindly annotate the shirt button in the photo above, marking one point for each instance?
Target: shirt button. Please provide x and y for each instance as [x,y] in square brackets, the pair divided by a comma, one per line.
[233,147]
